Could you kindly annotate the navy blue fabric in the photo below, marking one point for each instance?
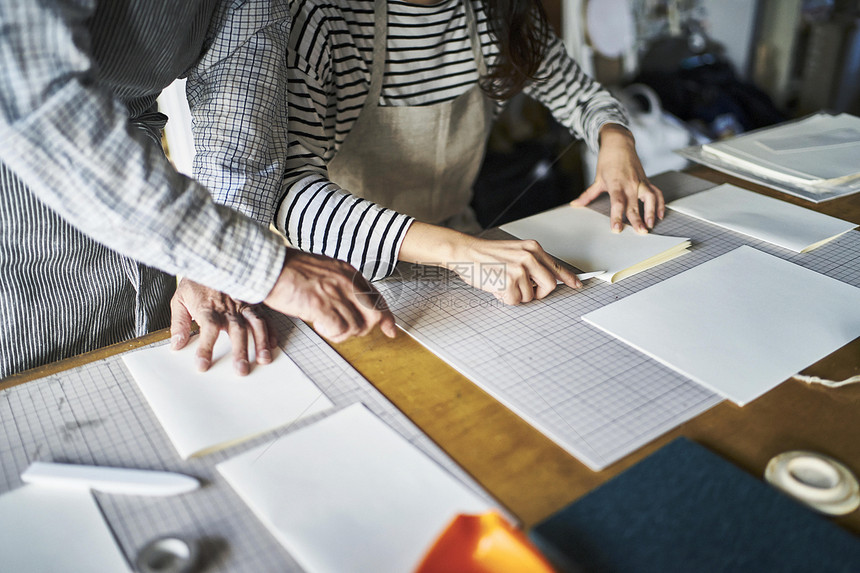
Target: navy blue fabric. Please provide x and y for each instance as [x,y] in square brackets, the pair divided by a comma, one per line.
[686,509]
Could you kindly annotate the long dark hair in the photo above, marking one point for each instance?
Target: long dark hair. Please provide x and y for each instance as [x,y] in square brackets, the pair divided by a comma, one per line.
[522,32]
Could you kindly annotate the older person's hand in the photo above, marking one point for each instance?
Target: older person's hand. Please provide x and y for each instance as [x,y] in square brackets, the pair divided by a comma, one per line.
[328,293]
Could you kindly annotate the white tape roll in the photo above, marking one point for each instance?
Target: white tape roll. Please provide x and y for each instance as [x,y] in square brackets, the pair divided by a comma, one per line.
[816,480]
[169,554]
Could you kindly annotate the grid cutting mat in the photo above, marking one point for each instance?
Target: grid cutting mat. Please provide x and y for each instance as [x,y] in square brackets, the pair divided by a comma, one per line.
[592,394]
[95,414]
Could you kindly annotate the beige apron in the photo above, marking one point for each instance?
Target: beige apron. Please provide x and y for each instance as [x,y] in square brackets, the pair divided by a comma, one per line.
[417,160]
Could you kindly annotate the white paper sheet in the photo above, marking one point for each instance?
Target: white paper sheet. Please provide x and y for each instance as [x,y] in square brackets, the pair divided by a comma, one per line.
[783,224]
[46,529]
[738,324]
[583,238]
[348,493]
[818,148]
[205,411]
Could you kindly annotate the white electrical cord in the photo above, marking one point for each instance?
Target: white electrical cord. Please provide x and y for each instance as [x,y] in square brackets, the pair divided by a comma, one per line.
[827,383]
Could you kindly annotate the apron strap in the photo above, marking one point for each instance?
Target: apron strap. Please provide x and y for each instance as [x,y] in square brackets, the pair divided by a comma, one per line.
[472,23]
[380,42]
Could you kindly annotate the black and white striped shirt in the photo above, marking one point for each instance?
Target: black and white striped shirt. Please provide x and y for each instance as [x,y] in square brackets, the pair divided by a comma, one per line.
[429,60]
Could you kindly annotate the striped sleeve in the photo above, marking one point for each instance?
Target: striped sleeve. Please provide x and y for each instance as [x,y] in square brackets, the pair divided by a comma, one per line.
[315,214]
[575,100]
[428,61]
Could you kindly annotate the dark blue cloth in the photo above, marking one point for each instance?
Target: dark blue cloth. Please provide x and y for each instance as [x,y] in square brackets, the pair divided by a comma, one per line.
[686,509]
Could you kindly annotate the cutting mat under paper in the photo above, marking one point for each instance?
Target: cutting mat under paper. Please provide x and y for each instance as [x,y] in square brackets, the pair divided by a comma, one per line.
[95,414]
[592,394]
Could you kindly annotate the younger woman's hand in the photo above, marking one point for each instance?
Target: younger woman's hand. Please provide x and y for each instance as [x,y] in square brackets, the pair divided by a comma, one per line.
[620,174]
[514,271]
[529,271]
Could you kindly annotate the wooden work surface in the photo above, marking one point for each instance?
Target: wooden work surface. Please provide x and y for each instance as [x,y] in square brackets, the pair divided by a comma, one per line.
[534,477]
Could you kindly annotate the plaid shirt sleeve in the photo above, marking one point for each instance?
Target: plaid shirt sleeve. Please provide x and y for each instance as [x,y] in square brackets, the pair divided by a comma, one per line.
[70,141]
[237,94]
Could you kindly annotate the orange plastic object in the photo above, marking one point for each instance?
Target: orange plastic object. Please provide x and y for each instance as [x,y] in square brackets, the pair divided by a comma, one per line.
[483,543]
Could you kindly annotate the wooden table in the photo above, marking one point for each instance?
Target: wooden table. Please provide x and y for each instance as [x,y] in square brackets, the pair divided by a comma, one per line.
[534,477]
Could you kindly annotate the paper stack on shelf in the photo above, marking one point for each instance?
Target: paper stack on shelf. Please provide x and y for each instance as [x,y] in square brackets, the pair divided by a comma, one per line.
[816,158]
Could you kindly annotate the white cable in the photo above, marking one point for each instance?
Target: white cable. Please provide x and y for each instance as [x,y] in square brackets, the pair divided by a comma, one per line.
[827,383]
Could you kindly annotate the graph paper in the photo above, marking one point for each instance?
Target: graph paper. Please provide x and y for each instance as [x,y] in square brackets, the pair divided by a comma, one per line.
[593,395]
[95,414]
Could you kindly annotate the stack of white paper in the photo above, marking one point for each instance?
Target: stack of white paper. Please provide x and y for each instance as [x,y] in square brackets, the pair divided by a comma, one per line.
[348,493]
[819,153]
[761,217]
[206,411]
[584,239]
[46,529]
[738,324]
